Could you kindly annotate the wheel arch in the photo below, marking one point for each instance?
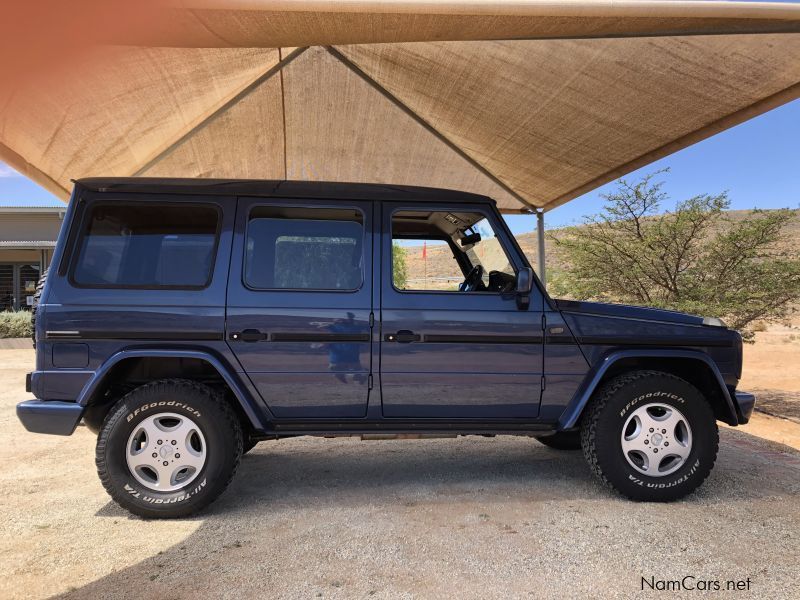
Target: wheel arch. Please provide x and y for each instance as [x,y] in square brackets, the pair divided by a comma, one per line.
[695,367]
[95,389]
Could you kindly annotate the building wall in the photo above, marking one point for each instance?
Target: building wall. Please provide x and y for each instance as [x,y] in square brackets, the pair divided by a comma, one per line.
[20,268]
[20,256]
[17,226]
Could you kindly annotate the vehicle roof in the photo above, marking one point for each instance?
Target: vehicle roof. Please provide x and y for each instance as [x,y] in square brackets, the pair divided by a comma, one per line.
[278,189]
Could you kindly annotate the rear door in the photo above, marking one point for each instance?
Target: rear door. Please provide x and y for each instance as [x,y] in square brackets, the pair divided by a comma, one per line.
[447,353]
[299,309]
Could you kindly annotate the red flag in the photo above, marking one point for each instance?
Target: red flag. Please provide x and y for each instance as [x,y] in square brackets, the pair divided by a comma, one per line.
[424,250]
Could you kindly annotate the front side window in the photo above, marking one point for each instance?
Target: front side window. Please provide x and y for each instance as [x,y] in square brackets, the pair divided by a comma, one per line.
[147,245]
[448,252]
[305,248]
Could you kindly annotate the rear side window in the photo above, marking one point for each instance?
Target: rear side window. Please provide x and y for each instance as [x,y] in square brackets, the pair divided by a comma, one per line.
[305,248]
[146,245]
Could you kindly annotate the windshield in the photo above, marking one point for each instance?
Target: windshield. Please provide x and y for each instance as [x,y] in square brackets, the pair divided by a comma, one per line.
[488,252]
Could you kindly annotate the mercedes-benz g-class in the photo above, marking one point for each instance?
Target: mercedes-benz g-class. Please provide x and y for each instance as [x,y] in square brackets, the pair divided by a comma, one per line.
[183,321]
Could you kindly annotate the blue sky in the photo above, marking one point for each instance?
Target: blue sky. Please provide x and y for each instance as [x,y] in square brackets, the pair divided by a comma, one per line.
[757,162]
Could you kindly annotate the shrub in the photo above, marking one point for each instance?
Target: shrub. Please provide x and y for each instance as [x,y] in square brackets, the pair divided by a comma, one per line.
[399,267]
[694,259]
[15,324]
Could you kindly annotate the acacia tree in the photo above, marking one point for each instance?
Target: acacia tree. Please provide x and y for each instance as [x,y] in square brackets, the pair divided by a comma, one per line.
[399,267]
[694,259]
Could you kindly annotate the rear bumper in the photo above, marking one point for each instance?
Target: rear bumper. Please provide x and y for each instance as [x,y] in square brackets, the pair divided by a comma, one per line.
[744,406]
[54,417]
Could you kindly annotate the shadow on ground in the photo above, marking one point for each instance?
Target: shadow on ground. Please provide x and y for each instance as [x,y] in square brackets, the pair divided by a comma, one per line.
[779,403]
[472,517]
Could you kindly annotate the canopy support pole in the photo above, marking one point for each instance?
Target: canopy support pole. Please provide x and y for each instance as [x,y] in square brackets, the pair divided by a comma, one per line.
[540,239]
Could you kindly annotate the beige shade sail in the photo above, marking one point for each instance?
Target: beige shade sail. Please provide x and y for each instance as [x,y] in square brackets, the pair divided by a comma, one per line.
[532,103]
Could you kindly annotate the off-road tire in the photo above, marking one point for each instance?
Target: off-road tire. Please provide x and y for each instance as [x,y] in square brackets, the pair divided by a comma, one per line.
[209,411]
[37,295]
[563,440]
[601,434]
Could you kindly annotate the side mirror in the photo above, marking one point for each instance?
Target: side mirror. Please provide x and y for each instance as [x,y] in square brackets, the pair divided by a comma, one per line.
[524,287]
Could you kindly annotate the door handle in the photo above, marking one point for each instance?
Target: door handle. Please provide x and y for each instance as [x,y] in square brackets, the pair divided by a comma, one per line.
[404,336]
[249,335]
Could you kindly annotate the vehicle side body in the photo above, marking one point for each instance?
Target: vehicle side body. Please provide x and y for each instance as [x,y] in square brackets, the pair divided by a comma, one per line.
[420,362]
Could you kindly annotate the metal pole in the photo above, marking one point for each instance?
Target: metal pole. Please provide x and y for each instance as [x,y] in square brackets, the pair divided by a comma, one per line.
[540,238]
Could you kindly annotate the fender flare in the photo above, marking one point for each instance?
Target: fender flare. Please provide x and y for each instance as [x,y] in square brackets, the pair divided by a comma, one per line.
[572,413]
[242,394]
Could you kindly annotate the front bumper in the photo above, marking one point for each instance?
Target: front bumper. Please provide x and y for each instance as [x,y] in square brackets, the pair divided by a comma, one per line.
[53,416]
[744,406]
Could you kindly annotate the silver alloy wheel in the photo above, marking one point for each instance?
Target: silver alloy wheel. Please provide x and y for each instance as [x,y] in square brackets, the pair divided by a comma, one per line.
[656,439]
[166,452]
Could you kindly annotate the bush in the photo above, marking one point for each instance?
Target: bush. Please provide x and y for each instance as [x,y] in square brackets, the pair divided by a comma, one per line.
[15,324]
[694,259]
[399,267]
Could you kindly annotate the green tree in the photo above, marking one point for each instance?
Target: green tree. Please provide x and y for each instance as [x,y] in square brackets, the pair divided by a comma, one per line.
[399,267]
[695,259]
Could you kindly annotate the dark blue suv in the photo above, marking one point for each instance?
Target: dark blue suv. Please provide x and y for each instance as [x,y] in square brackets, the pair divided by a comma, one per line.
[186,320]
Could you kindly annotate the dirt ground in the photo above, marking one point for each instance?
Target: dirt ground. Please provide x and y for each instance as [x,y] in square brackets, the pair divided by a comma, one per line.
[772,371]
[467,517]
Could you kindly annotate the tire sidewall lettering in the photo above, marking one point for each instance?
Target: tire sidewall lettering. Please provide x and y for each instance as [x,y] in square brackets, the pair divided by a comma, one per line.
[651,396]
[660,485]
[150,499]
[162,404]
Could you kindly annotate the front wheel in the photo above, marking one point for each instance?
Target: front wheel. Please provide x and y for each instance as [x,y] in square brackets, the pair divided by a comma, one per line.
[650,435]
[168,448]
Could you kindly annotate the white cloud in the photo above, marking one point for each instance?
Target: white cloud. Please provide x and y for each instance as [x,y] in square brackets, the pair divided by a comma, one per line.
[6,171]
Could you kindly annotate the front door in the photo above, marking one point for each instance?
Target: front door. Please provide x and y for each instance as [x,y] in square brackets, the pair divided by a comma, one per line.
[454,343]
[300,304]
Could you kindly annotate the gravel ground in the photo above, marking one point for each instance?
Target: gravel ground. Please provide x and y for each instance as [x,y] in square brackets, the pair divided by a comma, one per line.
[467,517]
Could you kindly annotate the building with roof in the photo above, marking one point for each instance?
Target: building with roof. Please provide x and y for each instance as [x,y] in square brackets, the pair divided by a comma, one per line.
[28,233]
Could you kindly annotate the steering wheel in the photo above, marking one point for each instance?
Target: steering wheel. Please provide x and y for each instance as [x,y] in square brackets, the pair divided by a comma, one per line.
[473,279]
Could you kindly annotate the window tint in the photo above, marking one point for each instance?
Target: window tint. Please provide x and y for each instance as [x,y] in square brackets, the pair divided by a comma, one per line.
[147,245]
[306,248]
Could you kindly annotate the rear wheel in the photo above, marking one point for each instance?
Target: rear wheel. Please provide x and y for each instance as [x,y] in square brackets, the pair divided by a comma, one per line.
[563,440]
[650,435]
[168,448]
